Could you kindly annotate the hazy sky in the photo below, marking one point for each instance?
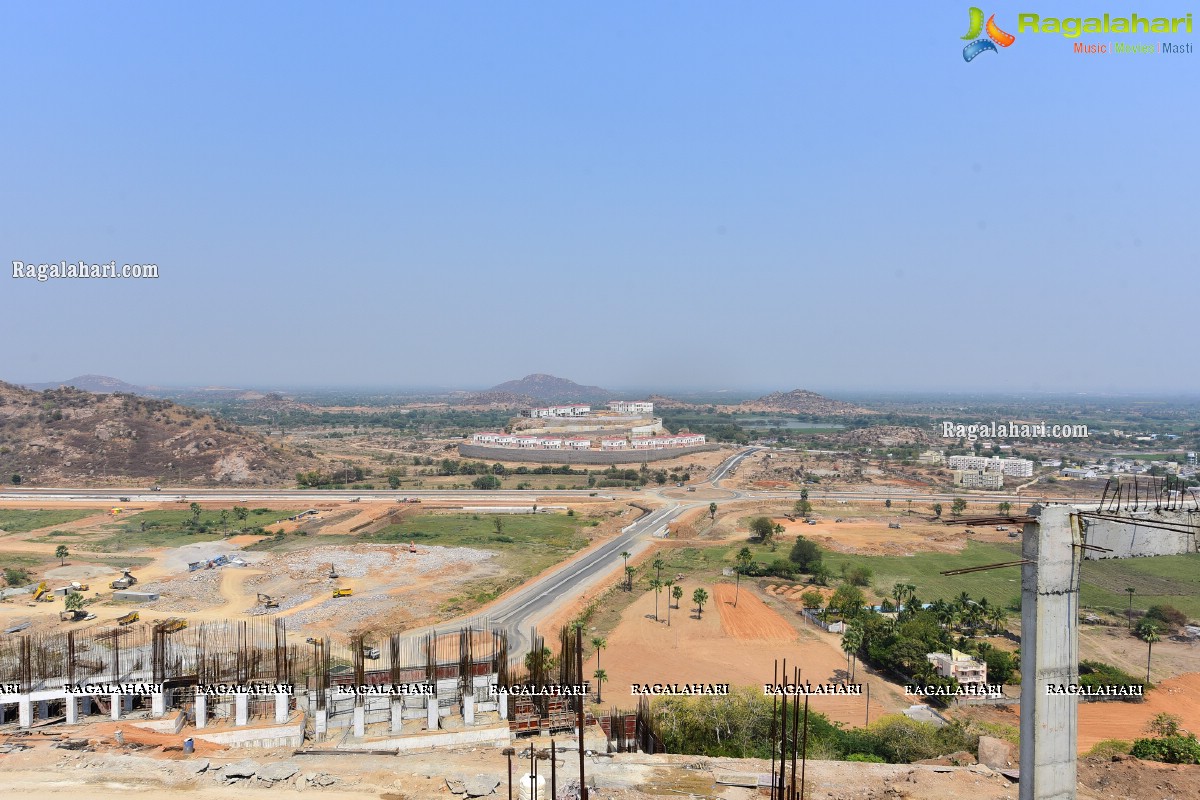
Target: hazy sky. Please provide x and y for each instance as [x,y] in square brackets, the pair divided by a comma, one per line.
[680,194]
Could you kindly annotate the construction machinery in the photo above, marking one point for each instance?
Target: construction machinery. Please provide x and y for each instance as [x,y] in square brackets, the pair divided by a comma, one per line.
[76,586]
[172,625]
[315,641]
[332,573]
[129,618]
[123,582]
[41,592]
[267,601]
[371,652]
[343,592]
[72,616]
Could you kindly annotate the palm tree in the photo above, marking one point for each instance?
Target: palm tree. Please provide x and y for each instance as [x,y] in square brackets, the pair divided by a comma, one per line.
[699,597]
[852,639]
[625,554]
[599,642]
[61,554]
[670,587]
[629,579]
[1147,631]
[658,565]
[712,512]
[744,557]
[601,676]
[997,616]
[677,593]
[1004,508]
[656,585]
[1129,613]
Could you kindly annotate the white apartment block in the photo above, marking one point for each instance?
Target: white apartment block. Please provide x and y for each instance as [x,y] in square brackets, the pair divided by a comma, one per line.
[491,439]
[1016,467]
[978,479]
[579,443]
[614,444]
[933,457]
[631,407]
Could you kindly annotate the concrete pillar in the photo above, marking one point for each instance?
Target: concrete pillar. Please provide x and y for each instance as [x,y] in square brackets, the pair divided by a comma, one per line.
[360,721]
[397,714]
[43,710]
[158,704]
[25,711]
[431,712]
[281,707]
[241,708]
[201,710]
[468,709]
[1049,653]
[503,700]
[321,723]
[115,706]
[72,709]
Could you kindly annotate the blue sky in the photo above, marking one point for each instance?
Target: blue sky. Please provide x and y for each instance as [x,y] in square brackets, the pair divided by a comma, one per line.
[669,194]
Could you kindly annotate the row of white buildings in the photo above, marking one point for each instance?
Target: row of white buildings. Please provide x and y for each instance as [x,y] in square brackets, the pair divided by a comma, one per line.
[609,444]
[633,408]
[1016,467]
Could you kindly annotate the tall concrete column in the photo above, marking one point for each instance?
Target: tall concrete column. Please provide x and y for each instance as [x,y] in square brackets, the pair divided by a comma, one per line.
[25,711]
[115,703]
[241,708]
[397,714]
[281,707]
[503,701]
[158,704]
[431,712]
[1049,653]
[72,709]
[201,710]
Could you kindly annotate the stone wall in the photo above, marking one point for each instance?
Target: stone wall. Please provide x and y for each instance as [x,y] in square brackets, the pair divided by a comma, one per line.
[577,457]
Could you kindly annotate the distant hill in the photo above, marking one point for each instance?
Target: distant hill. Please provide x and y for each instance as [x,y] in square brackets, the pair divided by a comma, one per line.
[550,389]
[800,401]
[98,384]
[70,437]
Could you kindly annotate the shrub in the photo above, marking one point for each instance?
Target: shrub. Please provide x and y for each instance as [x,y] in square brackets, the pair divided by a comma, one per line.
[1107,748]
[805,554]
[861,576]
[16,576]
[1171,616]
[869,758]
[1178,749]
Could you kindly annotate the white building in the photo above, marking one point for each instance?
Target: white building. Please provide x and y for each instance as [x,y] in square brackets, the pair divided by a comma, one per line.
[1016,467]
[978,479]
[579,443]
[958,665]
[932,457]
[550,444]
[614,444]
[631,407]
[526,442]
[558,411]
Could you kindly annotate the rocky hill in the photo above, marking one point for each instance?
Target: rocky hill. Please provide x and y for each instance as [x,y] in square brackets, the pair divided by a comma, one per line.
[70,437]
[550,389]
[98,384]
[800,401]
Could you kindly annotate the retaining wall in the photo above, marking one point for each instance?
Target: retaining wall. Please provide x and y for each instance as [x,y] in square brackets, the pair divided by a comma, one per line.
[595,457]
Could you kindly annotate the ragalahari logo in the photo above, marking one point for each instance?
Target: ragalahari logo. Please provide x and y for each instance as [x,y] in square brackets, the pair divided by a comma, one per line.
[995,36]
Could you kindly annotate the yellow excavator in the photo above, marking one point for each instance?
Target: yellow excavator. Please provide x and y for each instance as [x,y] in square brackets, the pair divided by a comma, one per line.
[41,592]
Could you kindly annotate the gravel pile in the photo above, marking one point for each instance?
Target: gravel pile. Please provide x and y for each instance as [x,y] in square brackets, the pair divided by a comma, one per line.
[194,592]
[392,563]
[357,607]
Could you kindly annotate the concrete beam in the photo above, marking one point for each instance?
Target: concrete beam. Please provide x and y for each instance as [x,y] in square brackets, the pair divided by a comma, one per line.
[397,715]
[431,712]
[158,704]
[115,706]
[72,710]
[360,721]
[25,711]
[1049,653]
[468,710]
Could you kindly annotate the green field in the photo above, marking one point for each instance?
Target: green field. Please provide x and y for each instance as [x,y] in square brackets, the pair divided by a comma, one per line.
[1174,580]
[20,520]
[170,528]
